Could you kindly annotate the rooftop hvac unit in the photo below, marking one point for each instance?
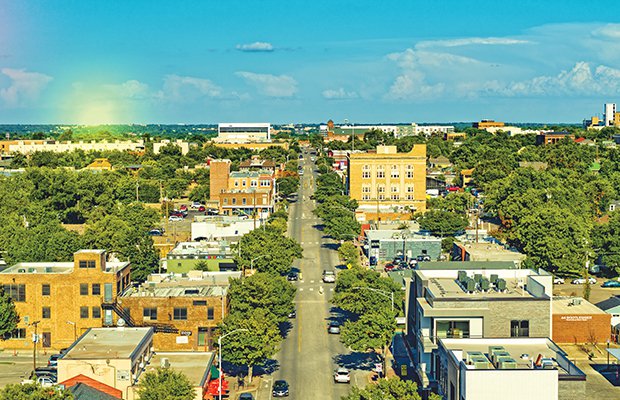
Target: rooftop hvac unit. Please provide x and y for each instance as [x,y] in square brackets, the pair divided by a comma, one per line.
[165,363]
[477,277]
[484,284]
[495,349]
[462,276]
[501,285]
[506,363]
[481,363]
[500,354]
[576,302]
[473,354]
[470,285]
[493,278]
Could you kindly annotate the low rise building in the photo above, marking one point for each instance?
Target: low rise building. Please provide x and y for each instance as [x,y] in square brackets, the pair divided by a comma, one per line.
[553,137]
[507,369]
[182,145]
[62,300]
[387,244]
[576,320]
[223,227]
[484,251]
[488,123]
[186,256]
[31,146]
[100,164]
[243,132]
[612,307]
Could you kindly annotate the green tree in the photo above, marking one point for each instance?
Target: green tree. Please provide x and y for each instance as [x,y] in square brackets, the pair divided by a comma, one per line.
[269,292]
[255,345]
[349,297]
[387,389]
[349,254]
[342,227]
[200,193]
[165,384]
[270,250]
[606,238]
[442,223]
[34,392]
[8,315]
[287,185]
[202,265]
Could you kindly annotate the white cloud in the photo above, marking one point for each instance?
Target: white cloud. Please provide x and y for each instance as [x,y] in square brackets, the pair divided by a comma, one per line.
[271,85]
[183,88]
[468,42]
[131,89]
[255,47]
[609,31]
[339,94]
[24,88]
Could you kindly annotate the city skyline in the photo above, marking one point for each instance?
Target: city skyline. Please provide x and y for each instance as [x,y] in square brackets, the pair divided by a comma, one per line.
[207,62]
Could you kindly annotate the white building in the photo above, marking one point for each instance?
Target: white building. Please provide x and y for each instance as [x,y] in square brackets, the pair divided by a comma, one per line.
[31,146]
[184,146]
[223,227]
[243,132]
[507,369]
[610,112]
[426,130]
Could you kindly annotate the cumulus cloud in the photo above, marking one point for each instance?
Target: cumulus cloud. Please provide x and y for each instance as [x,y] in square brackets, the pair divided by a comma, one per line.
[131,89]
[469,41]
[179,88]
[609,31]
[339,94]
[270,85]
[255,47]
[24,87]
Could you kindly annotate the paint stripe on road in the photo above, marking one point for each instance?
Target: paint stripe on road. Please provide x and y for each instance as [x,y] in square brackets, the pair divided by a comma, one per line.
[311,289]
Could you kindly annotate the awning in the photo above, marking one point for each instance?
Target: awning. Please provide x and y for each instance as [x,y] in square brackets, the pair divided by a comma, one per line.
[614,353]
[215,372]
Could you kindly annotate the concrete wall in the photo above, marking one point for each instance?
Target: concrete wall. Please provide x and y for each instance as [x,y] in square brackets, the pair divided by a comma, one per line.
[509,384]
[388,249]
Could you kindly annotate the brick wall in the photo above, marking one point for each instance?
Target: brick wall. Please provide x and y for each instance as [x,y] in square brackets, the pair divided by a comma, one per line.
[581,328]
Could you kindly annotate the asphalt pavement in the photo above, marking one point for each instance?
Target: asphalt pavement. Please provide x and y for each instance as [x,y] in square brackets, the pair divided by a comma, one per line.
[309,355]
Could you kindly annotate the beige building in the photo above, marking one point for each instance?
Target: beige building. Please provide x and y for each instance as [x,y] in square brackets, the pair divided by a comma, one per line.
[30,146]
[183,146]
[385,180]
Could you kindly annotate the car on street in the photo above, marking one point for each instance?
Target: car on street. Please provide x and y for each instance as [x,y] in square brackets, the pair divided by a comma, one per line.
[292,276]
[45,381]
[423,257]
[201,209]
[195,205]
[246,396]
[183,207]
[53,360]
[389,267]
[333,328]
[280,388]
[329,276]
[155,232]
[611,284]
[174,218]
[292,314]
[342,375]
[581,281]
[558,281]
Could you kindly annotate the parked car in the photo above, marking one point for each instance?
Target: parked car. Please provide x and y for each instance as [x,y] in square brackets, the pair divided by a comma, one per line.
[611,284]
[155,232]
[342,375]
[333,327]
[53,360]
[292,314]
[174,218]
[389,267]
[195,205]
[292,276]
[183,207]
[372,260]
[423,257]
[46,381]
[177,214]
[329,276]
[246,396]
[558,281]
[581,281]
[280,388]
[201,209]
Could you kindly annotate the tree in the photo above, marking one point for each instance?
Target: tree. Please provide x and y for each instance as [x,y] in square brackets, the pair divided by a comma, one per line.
[606,238]
[200,193]
[254,346]
[442,223]
[388,389]
[342,227]
[202,265]
[8,314]
[349,254]
[287,185]
[34,392]
[360,301]
[269,292]
[270,250]
[166,384]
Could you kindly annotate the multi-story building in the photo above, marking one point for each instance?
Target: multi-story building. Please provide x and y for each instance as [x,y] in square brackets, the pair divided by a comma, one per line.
[61,300]
[466,302]
[553,137]
[186,256]
[386,180]
[484,251]
[507,369]
[387,244]
[488,123]
[219,170]
[222,227]
[426,130]
[30,146]
[610,114]
[243,132]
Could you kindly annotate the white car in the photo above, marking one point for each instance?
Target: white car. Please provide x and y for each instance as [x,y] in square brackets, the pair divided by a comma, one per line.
[195,205]
[329,277]
[174,218]
[581,281]
[342,375]
[558,281]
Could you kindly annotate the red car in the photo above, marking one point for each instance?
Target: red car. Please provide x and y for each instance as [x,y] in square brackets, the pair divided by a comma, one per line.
[201,208]
[183,207]
[390,267]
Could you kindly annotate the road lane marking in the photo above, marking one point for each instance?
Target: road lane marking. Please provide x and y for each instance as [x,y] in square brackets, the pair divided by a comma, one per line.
[301,289]
[311,289]
[311,281]
[299,328]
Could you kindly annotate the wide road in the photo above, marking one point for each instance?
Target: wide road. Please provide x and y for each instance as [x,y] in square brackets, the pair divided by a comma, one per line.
[308,356]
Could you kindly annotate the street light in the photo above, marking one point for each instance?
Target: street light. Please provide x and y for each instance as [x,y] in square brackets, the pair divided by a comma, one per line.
[387,294]
[219,345]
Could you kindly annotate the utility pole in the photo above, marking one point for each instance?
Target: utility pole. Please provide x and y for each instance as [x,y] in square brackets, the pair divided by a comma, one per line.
[35,340]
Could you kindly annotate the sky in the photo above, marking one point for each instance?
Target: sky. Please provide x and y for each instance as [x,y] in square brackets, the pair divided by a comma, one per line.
[377,61]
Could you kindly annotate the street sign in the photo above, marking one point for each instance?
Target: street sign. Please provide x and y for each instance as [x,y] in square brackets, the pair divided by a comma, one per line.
[35,338]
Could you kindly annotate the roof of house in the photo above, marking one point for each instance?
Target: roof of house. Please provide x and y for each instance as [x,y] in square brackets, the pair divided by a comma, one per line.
[87,388]
[117,343]
[82,391]
[610,304]
[568,305]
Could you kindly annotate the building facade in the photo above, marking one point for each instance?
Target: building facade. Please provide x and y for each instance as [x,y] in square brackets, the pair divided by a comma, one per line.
[186,256]
[61,300]
[386,179]
[243,132]
[30,146]
[386,245]
[218,178]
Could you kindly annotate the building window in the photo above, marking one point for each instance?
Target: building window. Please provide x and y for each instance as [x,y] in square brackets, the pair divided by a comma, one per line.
[180,314]
[199,303]
[19,333]
[381,197]
[83,289]
[410,197]
[96,289]
[409,189]
[46,312]
[96,312]
[366,174]
[366,189]
[243,182]
[380,174]
[265,183]
[234,200]
[243,201]
[394,189]
[381,189]
[210,313]
[150,313]
[83,312]
[45,289]
[16,292]
[395,173]
[225,201]
[365,197]
[236,183]
[366,167]
[87,264]
[519,328]
[253,183]
[395,197]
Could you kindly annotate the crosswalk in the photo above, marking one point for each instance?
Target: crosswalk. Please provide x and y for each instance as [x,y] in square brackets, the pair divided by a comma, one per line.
[309,243]
[311,289]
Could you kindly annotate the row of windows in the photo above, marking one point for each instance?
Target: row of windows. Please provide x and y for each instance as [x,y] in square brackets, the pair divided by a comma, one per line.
[243,201]
[381,189]
[86,263]
[17,292]
[95,289]
[392,197]
[254,183]
[179,314]
[84,312]
[381,174]
[393,167]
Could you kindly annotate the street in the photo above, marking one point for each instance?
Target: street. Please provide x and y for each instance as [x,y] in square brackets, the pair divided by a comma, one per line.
[307,358]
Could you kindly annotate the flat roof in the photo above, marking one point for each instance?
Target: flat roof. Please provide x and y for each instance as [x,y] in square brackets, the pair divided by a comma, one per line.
[490,251]
[104,343]
[574,305]
[449,288]
[56,267]
[195,365]
[395,234]
[189,290]
[466,265]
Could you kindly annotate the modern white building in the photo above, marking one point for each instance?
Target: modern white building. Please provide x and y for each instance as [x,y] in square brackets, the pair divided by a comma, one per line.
[610,112]
[223,227]
[31,146]
[243,132]
[507,369]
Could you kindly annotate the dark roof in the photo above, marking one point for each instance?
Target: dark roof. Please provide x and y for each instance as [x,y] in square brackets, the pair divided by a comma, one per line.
[82,391]
[609,303]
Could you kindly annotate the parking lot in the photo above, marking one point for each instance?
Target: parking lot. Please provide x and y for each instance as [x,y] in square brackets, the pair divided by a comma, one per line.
[17,367]
[597,293]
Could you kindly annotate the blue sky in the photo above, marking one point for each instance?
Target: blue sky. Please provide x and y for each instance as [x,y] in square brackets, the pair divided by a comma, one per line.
[209,61]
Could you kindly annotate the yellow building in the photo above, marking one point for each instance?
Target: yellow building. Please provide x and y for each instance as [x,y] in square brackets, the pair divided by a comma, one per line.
[386,179]
[61,300]
[100,164]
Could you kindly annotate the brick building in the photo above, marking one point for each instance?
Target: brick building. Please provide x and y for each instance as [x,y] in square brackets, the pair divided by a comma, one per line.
[61,300]
[576,320]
